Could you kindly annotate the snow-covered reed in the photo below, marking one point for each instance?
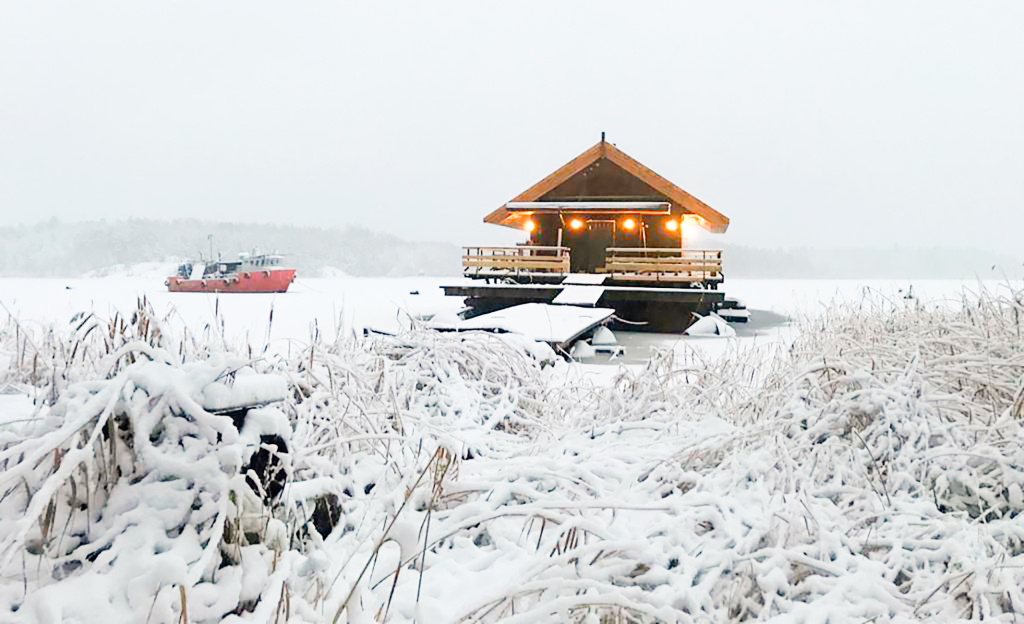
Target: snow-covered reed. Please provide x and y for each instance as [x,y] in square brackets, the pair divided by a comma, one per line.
[871,470]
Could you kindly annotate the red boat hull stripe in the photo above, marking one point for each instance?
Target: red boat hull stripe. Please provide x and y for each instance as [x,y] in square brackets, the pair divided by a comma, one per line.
[276,281]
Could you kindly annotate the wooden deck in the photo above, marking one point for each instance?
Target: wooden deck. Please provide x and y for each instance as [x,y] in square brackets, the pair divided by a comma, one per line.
[496,261]
[664,265]
[633,264]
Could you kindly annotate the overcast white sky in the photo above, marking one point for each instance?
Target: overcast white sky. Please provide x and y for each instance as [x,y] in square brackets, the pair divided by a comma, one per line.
[810,123]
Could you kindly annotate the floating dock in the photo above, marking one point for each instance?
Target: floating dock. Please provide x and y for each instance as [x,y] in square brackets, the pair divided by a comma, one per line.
[603,231]
[557,325]
[656,309]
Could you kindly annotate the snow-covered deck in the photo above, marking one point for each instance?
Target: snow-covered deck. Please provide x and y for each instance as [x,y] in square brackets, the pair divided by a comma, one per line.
[557,325]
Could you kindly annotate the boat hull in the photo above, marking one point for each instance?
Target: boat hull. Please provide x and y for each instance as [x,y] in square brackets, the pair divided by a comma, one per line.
[275,281]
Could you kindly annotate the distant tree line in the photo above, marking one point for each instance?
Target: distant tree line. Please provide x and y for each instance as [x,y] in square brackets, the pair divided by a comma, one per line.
[59,249]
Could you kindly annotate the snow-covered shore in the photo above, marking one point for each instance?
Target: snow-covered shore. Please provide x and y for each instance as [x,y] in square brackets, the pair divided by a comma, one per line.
[869,467]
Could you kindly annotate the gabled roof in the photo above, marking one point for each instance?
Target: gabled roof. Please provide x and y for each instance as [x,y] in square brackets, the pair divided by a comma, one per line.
[682,202]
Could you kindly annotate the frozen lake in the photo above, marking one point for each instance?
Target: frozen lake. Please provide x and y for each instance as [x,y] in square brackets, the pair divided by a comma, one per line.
[347,304]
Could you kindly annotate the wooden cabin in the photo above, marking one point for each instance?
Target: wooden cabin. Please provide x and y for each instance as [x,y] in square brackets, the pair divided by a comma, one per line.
[603,230]
[604,212]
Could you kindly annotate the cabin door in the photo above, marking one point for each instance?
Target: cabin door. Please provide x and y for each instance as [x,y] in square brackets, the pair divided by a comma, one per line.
[589,251]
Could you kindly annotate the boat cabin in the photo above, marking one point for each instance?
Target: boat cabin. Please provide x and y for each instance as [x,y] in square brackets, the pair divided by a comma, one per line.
[603,213]
[246,262]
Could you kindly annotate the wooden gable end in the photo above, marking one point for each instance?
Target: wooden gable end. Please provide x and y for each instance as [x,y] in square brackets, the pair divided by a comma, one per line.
[603,180]
[606,173]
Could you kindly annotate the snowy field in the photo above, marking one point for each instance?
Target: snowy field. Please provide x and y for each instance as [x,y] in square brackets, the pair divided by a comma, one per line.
[862,463]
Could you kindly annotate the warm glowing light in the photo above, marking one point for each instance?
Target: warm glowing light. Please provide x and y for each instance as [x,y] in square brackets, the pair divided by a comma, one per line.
[576,224]
[529,225]
[690,229]
[629,224]
[672,225]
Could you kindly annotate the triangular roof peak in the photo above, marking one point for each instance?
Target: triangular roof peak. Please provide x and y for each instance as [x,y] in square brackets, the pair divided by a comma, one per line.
[571,179]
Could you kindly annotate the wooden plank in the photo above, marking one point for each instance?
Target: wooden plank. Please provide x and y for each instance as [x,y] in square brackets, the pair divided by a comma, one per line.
[614,207]
[559,268]
[665,252]
[662,277]
[515,264]
[628,271]
[517,258]
[664,258]
[633,268]
[519,249]
[666,261]
[667,278]
[675,267]
[512,258]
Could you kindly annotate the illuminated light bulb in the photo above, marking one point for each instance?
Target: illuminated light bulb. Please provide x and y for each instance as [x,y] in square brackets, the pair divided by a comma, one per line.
[672,225]
[529,225]
[576,224]
[629,224]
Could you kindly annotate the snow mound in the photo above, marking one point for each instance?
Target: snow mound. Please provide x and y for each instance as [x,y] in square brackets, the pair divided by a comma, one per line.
[582,349]
[603,337]
[710,325]
[243,390]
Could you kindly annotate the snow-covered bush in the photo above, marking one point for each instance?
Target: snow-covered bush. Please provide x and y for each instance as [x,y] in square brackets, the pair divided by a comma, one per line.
[871,470]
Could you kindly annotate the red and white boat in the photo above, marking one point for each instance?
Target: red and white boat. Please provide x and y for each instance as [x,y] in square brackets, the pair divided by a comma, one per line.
[251,273]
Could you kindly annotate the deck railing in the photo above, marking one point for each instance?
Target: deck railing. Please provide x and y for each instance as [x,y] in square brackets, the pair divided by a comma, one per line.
[515,260]
[664,264]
